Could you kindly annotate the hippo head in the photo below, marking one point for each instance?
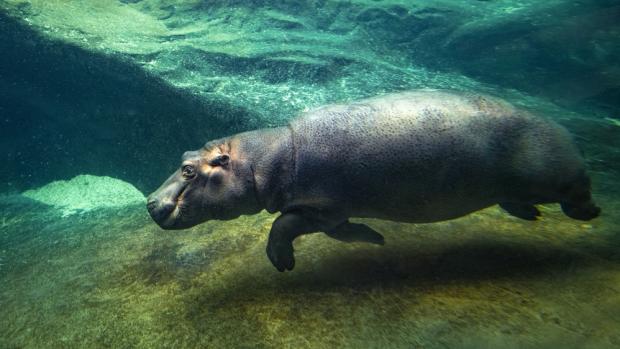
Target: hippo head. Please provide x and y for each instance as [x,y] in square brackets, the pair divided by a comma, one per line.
[215,182]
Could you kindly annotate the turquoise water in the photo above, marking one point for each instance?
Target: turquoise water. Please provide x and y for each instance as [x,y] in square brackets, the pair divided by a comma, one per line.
[99,99]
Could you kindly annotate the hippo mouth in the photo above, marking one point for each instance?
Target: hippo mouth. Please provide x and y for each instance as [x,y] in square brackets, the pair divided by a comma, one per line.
[167,212]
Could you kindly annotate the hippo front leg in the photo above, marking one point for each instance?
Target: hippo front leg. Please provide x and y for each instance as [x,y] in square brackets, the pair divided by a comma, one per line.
[283,231]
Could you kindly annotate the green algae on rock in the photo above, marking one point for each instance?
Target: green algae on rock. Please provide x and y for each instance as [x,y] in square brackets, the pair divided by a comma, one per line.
[85,193]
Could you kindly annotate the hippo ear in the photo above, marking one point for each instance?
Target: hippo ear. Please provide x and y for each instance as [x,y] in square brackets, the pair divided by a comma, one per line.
[219,160]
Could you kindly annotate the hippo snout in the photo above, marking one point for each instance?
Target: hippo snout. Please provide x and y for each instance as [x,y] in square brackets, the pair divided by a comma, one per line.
[161,212]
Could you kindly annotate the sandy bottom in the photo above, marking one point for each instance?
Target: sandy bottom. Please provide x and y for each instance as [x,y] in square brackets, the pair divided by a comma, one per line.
[112,278]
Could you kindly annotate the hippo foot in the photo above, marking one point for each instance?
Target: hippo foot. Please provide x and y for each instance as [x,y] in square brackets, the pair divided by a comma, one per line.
[525,211]
[281,255]
[353,232]
[583,212]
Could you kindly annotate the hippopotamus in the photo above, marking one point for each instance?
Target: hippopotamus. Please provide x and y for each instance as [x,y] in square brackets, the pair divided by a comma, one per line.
[418,156]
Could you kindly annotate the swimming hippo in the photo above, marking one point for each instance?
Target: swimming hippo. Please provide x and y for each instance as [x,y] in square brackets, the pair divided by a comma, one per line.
[419,156]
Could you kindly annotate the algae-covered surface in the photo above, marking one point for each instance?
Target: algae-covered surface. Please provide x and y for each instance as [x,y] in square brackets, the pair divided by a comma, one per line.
[99,99]
[86,193]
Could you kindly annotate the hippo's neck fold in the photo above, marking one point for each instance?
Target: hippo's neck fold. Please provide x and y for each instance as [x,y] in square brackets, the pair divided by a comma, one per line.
[270,154]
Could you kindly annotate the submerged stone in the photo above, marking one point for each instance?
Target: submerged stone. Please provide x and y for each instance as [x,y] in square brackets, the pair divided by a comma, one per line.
[85,193]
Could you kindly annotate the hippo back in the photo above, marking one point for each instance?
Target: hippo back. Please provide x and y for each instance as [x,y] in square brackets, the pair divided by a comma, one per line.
[415,156]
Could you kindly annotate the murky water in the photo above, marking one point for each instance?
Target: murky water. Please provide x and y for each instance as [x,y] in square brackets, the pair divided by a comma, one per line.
[99,99]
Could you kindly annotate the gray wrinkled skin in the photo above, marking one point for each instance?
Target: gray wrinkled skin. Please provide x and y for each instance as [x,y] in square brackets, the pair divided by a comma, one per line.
[420,156]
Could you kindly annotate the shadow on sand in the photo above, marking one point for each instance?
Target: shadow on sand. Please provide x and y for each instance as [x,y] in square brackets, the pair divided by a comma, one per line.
[405,266]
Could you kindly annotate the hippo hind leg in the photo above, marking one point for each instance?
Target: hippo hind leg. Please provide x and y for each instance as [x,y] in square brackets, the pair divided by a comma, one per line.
[521,210]
[577,200]
[353,232]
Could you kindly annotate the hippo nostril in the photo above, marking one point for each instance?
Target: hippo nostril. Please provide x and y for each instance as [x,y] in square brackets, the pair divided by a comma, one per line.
[150,205]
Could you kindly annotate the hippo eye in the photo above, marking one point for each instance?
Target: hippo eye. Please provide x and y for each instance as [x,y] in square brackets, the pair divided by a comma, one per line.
[188,171]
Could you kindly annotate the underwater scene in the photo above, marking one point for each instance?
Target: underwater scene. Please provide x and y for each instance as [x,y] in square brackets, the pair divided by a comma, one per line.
[310,174]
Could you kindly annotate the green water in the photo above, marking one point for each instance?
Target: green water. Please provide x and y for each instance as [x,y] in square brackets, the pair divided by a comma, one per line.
[98,100]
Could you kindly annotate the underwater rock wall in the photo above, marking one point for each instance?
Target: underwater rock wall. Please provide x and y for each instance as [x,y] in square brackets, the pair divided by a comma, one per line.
[122,88]
[562,50]
[66,110]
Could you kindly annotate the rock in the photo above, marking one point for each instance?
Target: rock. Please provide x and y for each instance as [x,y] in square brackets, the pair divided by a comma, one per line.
[86,193]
